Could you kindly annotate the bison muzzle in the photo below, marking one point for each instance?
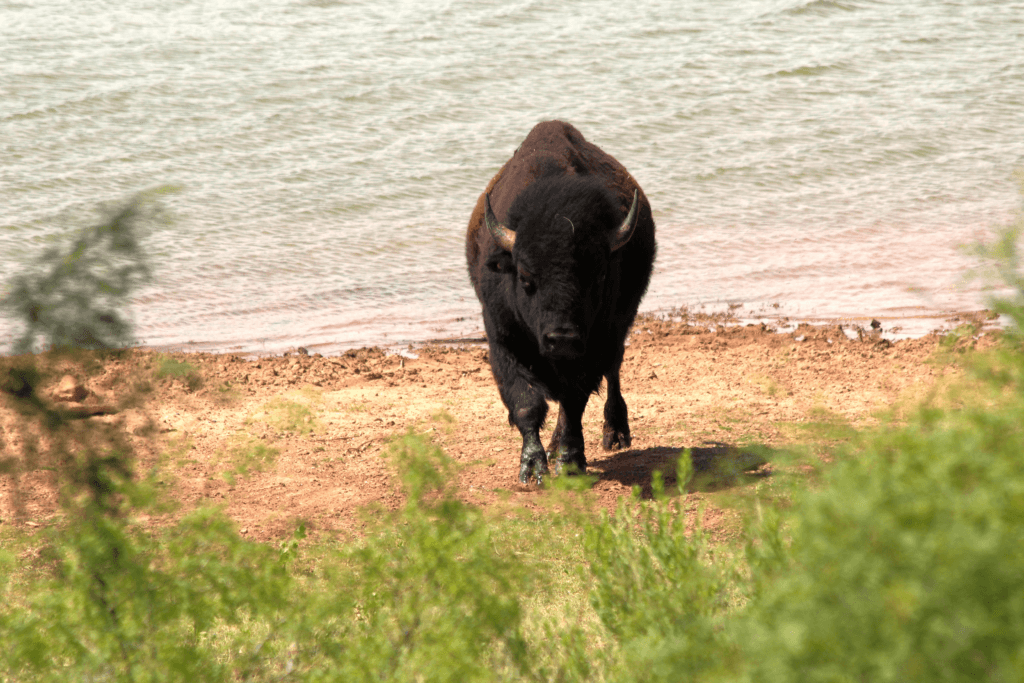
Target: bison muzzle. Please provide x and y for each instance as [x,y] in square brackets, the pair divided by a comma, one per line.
[560,249]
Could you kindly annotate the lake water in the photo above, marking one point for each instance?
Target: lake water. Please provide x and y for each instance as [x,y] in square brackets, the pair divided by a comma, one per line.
[824,157]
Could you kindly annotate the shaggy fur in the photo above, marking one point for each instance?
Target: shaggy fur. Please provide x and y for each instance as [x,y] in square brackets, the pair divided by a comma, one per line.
[558,307]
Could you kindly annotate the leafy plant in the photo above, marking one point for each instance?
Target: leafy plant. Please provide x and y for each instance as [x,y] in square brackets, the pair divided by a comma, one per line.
[908,564]
[659,591]
[426,597]
[119,603]
[1003,256]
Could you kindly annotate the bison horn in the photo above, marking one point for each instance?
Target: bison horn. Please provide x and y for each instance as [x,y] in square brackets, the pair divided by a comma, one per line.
[505,238]
[618,239]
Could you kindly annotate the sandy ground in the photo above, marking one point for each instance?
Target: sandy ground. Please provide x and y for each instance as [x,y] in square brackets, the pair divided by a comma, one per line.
[278,439]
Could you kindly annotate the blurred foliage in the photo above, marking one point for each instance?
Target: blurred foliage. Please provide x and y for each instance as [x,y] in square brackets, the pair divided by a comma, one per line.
[90,459]
[908,564]
[658,588]
[75,295]
[1006,269]
[108,600]
[426,595]
[123,605]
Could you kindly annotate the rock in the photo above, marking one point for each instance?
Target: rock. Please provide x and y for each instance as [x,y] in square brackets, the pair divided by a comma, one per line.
[69,390]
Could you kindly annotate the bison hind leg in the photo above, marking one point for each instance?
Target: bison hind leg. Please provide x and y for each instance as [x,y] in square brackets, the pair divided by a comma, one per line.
[558,435]
[566,445]
[616,417]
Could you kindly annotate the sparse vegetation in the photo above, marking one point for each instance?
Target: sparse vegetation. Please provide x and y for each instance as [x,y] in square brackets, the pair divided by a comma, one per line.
[247,455]
[227,393]
[443,416]
[168,367]
[290,416]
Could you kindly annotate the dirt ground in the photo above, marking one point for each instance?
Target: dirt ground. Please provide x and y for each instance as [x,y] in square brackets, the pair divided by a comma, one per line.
[278,439]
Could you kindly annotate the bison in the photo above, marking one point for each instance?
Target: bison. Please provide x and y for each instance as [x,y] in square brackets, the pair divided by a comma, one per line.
[560,248]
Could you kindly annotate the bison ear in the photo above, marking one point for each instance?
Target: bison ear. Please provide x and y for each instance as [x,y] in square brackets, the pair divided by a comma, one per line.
[503,236]
[621,235]
[501,262]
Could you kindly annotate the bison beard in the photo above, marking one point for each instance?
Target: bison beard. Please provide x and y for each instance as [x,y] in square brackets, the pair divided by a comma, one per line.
[560,249]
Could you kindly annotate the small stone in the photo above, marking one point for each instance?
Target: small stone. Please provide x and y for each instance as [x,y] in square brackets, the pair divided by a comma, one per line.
[69,390]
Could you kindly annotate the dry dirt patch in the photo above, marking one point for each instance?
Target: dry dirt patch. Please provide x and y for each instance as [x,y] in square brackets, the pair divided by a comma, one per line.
[277,439]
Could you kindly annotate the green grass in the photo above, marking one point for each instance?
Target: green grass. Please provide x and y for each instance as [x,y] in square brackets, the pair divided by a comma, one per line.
[168,367]
[290,416]
[443,416]
[247,455]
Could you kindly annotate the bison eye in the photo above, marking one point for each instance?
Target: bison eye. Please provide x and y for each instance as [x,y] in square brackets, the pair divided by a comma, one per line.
[526,280]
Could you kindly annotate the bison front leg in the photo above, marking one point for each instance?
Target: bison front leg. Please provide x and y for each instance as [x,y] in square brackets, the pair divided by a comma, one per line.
[526,410]
[533,461]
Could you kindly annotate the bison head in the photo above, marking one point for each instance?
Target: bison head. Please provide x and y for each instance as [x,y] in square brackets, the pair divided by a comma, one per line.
[557,251]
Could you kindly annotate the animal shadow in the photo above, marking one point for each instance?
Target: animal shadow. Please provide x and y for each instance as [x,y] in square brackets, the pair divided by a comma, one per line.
[715,466]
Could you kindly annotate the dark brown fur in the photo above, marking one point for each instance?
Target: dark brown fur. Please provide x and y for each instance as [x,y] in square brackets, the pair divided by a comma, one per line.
[584,288]
[550,143]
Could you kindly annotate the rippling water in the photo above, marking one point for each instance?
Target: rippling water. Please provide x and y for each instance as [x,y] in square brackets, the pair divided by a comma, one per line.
[828,157]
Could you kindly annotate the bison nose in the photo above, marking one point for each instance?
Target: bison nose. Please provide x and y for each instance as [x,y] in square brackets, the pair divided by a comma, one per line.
[563,342]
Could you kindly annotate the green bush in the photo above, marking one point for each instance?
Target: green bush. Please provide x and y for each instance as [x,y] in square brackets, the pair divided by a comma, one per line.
[426,596]
[1004,268]
[122,605]
[908,564]
[658,591]
[905,562]
[107,600]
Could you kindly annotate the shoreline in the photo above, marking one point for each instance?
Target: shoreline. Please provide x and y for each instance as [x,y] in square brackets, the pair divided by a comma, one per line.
[893,327]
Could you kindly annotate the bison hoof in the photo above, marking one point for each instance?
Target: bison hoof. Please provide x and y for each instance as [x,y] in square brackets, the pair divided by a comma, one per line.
[569,468]
[538,468]
[571,463]
[615,439]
